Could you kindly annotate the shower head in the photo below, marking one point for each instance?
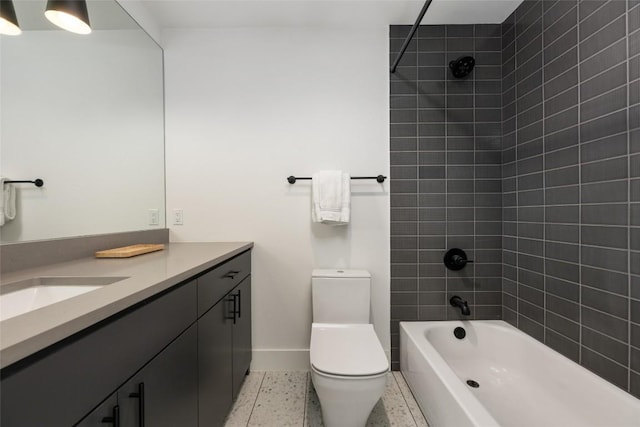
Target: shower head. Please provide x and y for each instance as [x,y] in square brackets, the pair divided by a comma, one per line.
[462,66]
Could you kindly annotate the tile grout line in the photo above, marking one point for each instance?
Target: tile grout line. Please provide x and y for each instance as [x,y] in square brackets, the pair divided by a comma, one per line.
[517,192]
[418,151]
[580,188]
[629,353]
[544,188]
[475,155]
[502,292]
[256,399]
[446,166]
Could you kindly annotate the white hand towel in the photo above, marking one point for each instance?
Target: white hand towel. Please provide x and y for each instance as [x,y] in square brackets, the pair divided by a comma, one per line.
[331,197]
[7,202]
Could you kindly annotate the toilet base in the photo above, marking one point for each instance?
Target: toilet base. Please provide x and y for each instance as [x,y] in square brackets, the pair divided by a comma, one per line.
[347,401]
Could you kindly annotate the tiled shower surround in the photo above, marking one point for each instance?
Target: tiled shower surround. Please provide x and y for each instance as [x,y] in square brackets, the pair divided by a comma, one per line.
[445,174]
[570,84]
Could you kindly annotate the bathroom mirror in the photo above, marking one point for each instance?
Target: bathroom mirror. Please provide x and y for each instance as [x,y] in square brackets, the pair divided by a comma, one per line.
[85,114]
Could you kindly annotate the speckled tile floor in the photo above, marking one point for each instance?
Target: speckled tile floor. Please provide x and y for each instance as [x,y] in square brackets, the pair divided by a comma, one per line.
[278,399]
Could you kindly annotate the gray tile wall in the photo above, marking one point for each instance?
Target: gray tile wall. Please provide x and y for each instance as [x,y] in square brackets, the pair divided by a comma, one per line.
[445,174]
[569,77]
[571,180]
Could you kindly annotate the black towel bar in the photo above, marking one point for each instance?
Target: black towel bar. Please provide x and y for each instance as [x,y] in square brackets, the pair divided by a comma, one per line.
[380,178]
[37,182]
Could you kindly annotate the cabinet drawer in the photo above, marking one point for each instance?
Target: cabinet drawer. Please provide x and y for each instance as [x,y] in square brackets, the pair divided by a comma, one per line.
[216,283]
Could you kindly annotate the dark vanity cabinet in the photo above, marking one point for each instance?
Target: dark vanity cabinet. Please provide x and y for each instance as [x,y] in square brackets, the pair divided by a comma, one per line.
[176,359]
[214,354]
[241,355]
[59,385]
[162,394]
[224,338]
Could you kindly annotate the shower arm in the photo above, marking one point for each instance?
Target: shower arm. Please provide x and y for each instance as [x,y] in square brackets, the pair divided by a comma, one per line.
[410,36]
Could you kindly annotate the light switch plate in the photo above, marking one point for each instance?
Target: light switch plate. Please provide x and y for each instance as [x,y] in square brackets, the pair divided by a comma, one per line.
[154,217]
[178,217]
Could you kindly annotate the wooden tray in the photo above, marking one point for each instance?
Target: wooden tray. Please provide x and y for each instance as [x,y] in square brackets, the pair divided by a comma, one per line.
[129,251]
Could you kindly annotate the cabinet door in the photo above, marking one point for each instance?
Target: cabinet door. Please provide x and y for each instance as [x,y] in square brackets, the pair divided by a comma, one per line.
[105,415]
[66,380]
[241,334]
[214,363]
[165,392]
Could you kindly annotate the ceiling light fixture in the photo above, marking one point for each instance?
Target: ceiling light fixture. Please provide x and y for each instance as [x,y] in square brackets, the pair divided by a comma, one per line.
[71,15]
[8,20]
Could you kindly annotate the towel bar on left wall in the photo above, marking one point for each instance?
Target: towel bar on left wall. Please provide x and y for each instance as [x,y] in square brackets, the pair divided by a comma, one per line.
[380,178]
[37,182]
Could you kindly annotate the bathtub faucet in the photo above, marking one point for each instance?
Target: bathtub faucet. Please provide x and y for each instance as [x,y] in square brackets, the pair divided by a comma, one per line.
[456,301]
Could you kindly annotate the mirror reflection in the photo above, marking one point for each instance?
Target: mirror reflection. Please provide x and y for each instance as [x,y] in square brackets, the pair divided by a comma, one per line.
[85,114]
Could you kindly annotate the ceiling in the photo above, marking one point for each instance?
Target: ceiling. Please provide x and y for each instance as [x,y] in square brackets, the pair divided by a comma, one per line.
[323,13]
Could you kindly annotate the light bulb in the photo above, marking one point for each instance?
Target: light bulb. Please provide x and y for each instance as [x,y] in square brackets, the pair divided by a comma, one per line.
[8,19]
[9,28]
[70,15]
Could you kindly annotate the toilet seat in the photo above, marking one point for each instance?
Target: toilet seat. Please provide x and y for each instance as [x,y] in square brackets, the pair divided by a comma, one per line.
[347,350]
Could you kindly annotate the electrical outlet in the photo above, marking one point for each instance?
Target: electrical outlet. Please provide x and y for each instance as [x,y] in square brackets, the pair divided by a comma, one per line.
[154,217]
[178,217]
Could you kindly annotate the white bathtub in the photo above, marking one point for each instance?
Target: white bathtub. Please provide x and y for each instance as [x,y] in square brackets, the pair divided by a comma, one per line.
[522,382]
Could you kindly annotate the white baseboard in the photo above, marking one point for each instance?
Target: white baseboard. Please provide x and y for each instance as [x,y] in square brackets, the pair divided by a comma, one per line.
[284,360]
[280,360]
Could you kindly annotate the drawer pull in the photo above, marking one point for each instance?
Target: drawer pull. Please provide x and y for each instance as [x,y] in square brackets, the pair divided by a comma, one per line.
[114,418]
[231,275]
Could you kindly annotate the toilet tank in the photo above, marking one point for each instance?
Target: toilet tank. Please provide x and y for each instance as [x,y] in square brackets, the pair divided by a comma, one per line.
[340,296]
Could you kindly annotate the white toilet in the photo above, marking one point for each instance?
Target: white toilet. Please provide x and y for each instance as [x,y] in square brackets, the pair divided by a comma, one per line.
[348,365]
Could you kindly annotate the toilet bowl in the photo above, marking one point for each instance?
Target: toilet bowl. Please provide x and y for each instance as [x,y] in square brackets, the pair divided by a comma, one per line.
[349,372]
[348,364]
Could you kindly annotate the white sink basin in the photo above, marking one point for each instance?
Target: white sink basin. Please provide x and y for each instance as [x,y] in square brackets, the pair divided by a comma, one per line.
[28,295]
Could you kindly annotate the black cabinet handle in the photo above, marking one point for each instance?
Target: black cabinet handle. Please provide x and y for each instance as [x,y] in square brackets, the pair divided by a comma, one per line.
[114,418]
[231,274]
[140,396]
[232,314]
[239,304]
[235,308]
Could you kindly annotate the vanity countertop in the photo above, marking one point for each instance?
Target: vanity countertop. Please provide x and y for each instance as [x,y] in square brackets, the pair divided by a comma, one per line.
[147,275]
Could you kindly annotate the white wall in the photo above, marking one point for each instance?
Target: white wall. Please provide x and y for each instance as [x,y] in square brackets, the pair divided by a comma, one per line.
[247,107]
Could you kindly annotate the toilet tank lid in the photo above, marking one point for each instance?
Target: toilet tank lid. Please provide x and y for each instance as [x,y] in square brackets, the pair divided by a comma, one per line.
[339,272]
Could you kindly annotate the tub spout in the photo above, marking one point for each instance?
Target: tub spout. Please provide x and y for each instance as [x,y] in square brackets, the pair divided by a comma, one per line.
[456,301]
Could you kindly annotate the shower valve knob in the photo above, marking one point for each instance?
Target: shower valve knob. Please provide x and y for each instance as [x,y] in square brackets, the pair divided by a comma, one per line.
[455,259]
